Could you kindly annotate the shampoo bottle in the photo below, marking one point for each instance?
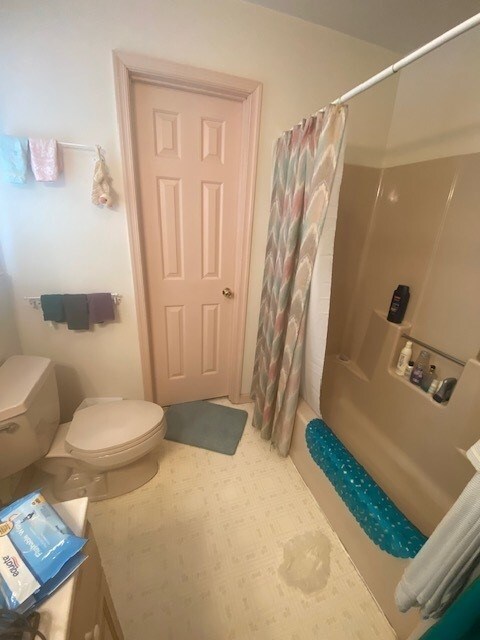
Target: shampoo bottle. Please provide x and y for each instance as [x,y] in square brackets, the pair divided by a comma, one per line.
[420,368]
[404,359]
[398,304]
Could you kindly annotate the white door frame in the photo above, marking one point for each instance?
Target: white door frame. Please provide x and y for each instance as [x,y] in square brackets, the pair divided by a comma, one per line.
[129,67]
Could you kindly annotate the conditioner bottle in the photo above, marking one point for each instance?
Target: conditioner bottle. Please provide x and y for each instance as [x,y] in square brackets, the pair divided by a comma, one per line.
[421,367]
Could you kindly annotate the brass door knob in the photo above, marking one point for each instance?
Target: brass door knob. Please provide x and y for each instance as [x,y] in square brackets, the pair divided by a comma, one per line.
[228,293]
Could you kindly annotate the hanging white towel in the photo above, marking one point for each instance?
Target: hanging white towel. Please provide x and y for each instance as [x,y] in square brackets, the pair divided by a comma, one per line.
[102,192]
[442,567]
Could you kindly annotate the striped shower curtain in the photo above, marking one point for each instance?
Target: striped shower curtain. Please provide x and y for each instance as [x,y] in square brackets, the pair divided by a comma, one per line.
[306,161]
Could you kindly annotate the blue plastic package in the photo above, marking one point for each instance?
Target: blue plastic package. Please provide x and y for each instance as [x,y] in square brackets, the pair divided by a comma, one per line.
[52,585]
[35,545]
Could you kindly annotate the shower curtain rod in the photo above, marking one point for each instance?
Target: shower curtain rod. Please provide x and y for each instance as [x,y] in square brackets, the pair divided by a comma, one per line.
[472,22]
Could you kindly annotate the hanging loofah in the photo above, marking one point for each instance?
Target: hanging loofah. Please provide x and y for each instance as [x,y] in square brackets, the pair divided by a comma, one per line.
[378,516]
[102,192]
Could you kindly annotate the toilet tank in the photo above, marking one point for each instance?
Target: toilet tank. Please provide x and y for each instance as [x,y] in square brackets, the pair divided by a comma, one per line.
[29,411]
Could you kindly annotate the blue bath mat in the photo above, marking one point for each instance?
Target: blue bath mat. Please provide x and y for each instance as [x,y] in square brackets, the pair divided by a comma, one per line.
[378,516]
[206,425]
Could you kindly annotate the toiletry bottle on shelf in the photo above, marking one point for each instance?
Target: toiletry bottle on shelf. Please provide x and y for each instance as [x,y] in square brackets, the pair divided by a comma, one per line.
[445,390]
[409,369]
[427,378]
[404,358]
[434,385]
[398,305]
[420,368]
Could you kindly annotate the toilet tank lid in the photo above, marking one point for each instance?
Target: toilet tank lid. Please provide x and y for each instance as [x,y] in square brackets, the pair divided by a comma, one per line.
[20,377]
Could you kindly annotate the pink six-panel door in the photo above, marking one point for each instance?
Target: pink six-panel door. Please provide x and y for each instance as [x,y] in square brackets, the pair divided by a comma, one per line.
[188,150]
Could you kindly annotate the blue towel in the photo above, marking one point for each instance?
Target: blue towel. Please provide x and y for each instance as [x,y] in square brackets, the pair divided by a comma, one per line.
[13,159]
[52,307]
[76,311]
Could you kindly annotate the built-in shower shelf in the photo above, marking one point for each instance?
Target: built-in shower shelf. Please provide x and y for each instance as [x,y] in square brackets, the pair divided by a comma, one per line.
[439,352]
[428,397]
[375,512]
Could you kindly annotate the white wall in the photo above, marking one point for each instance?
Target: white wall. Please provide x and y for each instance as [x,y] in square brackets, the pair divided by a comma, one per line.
[437,107]
[56,76]
[9,341]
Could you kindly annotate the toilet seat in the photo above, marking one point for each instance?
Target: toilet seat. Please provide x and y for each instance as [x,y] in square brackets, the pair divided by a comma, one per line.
[105,430]
[120,457]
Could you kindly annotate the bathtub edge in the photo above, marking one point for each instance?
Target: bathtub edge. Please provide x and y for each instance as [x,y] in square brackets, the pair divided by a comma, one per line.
[380,571]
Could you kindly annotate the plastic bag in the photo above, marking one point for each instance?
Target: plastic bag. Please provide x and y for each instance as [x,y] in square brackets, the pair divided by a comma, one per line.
[53,584]
[306,561]
[35,544]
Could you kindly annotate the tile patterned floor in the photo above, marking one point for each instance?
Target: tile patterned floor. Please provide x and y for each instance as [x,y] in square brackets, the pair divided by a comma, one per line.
[194,554]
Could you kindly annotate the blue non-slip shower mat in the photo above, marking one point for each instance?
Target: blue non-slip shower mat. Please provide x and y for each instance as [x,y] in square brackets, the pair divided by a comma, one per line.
[374,511]
[206,425]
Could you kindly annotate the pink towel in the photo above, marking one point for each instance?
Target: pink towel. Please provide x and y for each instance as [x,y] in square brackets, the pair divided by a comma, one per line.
[44,159]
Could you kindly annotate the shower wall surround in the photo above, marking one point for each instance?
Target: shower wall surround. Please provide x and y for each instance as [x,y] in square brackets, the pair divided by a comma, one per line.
[416,223]
[411,218]
[420,226]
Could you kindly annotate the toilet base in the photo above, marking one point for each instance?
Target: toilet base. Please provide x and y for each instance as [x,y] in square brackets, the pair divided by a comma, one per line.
[78,481]
[75,478]
[107,484]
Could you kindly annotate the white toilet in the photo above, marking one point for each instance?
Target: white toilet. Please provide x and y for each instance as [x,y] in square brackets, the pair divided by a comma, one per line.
[106,450]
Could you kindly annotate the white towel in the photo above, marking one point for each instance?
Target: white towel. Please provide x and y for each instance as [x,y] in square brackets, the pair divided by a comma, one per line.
[443,566]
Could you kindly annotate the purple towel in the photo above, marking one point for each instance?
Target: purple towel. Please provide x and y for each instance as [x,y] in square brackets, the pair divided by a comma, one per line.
[100,307]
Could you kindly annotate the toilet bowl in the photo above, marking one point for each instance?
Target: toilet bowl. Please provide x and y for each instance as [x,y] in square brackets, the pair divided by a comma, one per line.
[106,450]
